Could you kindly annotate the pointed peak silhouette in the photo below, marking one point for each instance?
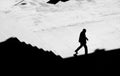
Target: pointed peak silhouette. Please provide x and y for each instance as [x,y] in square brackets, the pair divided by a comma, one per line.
[12,48]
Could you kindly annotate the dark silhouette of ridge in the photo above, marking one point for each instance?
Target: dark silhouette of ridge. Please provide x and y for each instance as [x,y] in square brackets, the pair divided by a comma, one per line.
[13,49]
[19,53]
[56,1]
[100,61]
[53,1]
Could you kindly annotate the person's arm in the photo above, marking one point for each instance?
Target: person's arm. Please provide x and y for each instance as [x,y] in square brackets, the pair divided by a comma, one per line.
[86,38]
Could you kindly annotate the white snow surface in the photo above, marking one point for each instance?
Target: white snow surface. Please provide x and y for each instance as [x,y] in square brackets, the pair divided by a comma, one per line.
[59,31]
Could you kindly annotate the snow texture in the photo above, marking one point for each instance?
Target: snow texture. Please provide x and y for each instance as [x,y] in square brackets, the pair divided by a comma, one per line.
[53,28]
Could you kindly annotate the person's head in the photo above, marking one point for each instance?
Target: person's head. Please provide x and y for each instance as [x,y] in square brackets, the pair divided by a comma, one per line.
[84,30]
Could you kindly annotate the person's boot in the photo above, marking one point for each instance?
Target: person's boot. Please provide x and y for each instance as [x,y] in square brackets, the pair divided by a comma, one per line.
[75,53]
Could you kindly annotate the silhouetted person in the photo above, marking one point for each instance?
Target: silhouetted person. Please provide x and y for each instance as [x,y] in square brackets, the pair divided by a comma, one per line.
[82,41]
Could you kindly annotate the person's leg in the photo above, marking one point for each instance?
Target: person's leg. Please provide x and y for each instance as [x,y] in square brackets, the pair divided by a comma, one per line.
[78,49]
[86,49]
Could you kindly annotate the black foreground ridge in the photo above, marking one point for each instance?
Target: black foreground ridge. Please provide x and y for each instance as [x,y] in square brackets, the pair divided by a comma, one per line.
[14,52]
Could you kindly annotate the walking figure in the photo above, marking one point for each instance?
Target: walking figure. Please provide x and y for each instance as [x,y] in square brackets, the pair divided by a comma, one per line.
[82,41]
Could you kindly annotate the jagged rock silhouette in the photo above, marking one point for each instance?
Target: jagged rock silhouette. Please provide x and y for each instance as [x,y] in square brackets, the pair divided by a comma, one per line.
[15,52]
[13,49]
